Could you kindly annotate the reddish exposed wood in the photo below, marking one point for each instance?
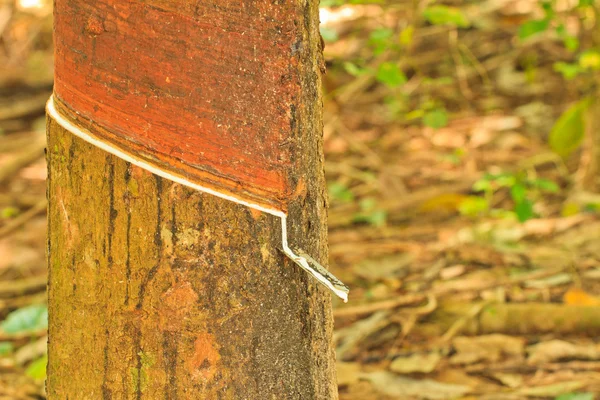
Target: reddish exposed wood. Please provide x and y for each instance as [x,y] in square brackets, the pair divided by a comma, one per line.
[217,109]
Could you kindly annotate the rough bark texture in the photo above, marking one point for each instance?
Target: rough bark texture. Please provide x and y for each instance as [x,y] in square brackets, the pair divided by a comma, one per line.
[590,177]
[589,170]
[157,291]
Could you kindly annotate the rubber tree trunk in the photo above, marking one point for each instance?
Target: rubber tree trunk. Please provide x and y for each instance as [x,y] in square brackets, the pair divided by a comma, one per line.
[157,291]
[589,174]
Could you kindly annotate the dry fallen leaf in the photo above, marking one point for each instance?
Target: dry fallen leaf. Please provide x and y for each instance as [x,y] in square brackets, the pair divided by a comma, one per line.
[552,390]
[550,281]
[402,387]
[453,271]
[347,373]
[578,297]
[510,380]
[350,338]
[554,350]
[425,363]
[486,348]
[392,266]
[447,202]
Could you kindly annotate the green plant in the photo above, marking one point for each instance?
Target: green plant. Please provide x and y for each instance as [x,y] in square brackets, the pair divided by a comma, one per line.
[443,15]
[551,19]
[340,192]
[390,74]
[436,118]
[27,319]
[336,3]
[8,212]
[576,396]
[37,369]
[568,131]
[6,348]
[370,212]
[386,60]
[523,192]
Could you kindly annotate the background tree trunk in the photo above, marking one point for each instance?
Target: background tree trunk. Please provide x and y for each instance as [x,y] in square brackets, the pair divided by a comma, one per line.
[159,291]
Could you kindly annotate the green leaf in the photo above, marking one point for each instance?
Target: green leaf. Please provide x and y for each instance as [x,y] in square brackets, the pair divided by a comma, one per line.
[576,396]
[380,35]
[568,71]
[533,27]
[524,210]
[590,60]
[370,213]
[331,3]
[500,213]
[444,15]
[571,43]
[9,212]
[585,3]
[482,185]
[567,133]
[37,369]
[368,204]
[376,218]
[27,319]
[518,193]
[340,192]
[406,36]
[548,9]
[436,119]
[354,69]
[380,39]
[390,74]
[328,34]
[473,206]
[561,30]
[546,185]
[6,348]
[414,114]
[569,209]
[505,180]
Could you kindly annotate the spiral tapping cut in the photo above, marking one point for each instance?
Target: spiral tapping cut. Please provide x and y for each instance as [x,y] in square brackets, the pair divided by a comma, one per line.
[299,257]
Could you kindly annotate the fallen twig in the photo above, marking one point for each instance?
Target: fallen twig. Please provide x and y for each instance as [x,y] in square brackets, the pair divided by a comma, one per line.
[381,305]
[460,323]
[34,152]
[344,215]
[17,108]
[23,286]
[22,219]
[513,318]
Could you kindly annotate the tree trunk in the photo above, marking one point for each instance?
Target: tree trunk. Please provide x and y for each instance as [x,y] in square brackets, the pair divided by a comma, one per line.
[588,178]
[157,291]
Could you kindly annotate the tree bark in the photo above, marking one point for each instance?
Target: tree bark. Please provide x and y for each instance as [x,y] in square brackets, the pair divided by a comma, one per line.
[589,177]
[157,291]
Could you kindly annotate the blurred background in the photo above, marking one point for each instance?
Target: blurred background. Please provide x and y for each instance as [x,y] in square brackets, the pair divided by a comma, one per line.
[462,144]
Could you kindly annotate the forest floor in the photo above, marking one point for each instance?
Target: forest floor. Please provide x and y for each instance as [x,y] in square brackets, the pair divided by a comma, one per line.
[452,297]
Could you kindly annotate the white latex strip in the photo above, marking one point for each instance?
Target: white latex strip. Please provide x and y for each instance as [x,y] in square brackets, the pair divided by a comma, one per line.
[304,261]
